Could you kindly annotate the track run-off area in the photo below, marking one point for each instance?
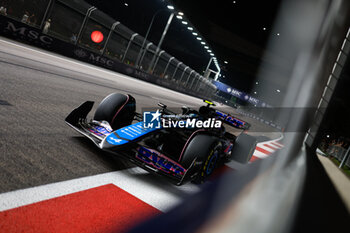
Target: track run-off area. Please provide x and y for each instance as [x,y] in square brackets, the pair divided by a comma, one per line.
[51,177]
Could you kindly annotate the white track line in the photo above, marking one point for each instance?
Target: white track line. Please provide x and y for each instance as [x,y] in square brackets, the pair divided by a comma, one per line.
[260,155]
[271,145]
[135,181]
[273,140]
[262,146]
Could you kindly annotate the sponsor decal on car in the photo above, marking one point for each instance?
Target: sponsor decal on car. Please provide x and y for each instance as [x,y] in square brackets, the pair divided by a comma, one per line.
[230,119]
[128,133]
[99,131]
[114,140]
[159,161]
[228,148]
[134,131]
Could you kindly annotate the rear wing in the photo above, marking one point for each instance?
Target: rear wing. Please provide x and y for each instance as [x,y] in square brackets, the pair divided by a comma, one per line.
[231,120]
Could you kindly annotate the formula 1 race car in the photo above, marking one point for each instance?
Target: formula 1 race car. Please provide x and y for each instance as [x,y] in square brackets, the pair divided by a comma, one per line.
[186,147]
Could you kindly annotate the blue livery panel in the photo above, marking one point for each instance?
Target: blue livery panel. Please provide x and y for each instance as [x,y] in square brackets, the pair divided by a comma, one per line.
[128,133]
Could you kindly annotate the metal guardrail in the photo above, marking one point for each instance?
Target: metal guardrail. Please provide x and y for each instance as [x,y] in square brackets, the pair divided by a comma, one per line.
[261,119]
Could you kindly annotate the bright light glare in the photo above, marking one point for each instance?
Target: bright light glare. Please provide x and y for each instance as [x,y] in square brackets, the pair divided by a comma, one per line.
[179,17]
[206,47]
[126,4]
[195,34]
[209,51]
[180,13]
[212,54]
[184,22]
[97,36]
[278,90]
[225,62]
[170,7]
[198,38]
[190,28]
[202,42]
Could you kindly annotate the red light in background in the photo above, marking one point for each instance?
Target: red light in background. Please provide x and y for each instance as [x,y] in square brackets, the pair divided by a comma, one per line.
[97,36]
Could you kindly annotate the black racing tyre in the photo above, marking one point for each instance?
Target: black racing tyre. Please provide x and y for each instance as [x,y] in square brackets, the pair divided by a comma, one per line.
[209,165]
[243,148]
[207,149]
[117,109]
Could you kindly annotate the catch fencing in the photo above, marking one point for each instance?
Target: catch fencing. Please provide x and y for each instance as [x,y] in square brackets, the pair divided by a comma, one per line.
[338,152]
[74,21]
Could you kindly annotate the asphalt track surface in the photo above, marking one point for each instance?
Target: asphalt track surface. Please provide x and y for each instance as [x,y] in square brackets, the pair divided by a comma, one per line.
[38,90]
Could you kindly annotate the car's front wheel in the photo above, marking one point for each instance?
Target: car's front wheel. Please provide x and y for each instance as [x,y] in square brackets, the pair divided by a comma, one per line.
[206,150]
[117,109]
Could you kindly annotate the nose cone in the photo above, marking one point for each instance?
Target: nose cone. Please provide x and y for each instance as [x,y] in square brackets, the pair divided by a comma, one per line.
[112,140]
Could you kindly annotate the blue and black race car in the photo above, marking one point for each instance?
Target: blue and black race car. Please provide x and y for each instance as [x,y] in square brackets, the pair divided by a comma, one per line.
[180,154]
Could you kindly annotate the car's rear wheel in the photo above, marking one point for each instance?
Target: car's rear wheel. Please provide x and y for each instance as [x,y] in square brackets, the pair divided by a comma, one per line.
[117,109]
